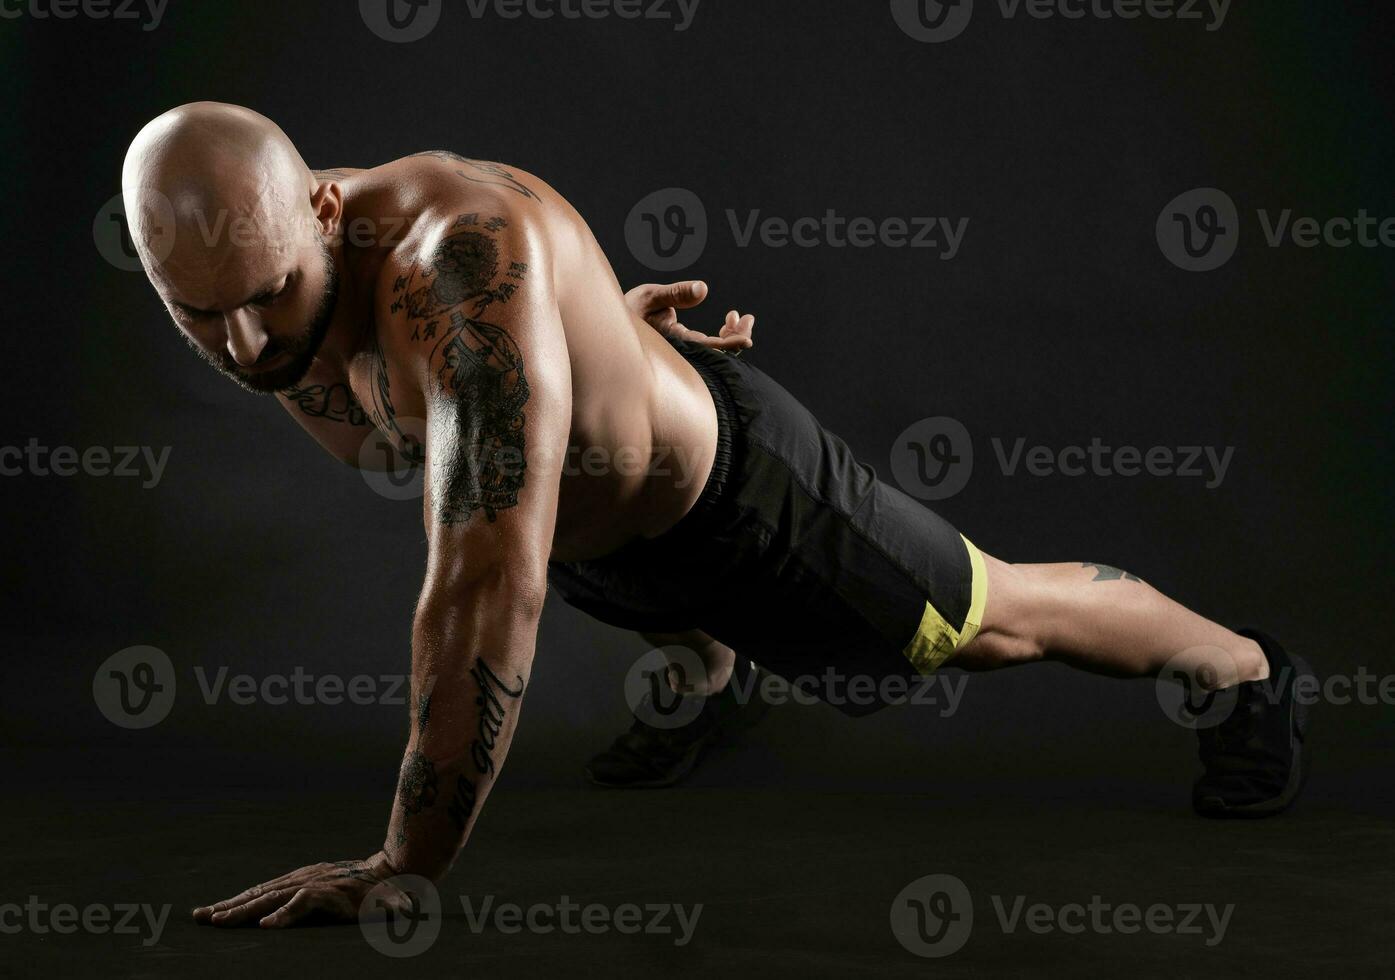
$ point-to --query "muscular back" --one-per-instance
(480, 281)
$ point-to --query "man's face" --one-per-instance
(256, 313)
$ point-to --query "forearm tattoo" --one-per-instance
(418, 789)
(493, 701)
(416, 785)
(477, 366)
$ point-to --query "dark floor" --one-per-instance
(790, 883)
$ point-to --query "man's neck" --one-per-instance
(351, 328)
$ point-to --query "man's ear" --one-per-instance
(327, 203)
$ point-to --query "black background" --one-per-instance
(1058, 321)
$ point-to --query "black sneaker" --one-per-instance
(649, 757)
(1255, 759)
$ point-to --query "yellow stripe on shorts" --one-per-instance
(936, 640)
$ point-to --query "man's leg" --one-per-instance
(1101, 619)
(1104, 620)
(717, 659)
(652, 753)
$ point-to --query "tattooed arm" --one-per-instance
(497, 389)
(474, 322)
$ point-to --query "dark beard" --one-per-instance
(302, 349)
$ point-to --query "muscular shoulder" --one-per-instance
(480, 262)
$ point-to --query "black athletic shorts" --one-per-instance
(795, 555)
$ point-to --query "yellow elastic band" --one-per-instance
(935, 640)
(978, 596)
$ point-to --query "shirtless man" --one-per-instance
(480, 304)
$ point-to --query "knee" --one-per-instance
(999, 647)
(1013, 629)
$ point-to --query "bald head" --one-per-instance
(227, 177)
(226, 217)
